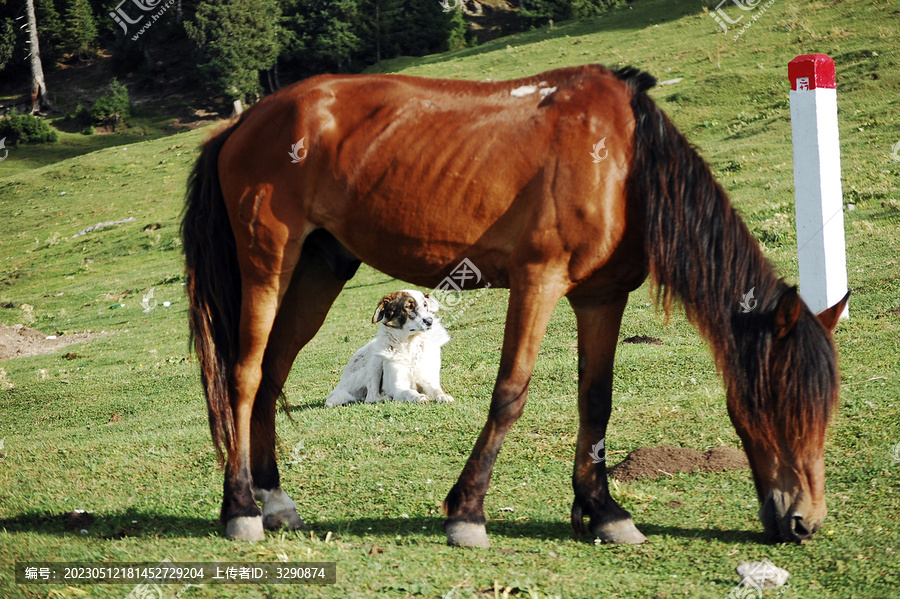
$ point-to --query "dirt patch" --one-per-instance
(19, 341)
(643, 339)
(891, 312)
(653, 462)
(490, 19)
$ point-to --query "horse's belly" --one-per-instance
(423, 250)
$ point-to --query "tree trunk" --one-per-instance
(272, 75)
(148, 58)
(39, 99)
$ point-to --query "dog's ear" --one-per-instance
(431, 304)
(379, 311)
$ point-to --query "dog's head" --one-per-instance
(407, 310)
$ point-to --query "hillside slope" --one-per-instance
(117, 426)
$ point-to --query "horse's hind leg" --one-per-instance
(304, 307)
(598, 333)
(259, 305)
(268, 254)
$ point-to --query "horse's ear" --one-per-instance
(829, 318)
(787, 312)
(379, 311)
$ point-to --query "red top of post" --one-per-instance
(811, 71)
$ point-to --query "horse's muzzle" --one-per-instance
(790, 527)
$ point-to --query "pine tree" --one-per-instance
(235, 40)
(322, 35)
(81, 28)
(7, 42)
(378, 29)
(348, 35)
(419, 29)
(50, 30)
(537, 13)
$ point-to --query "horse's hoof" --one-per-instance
(619, 531)
(466, 534)
(285, 518)
(245, 528)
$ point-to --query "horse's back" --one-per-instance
(441, 169)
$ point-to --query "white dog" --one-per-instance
(403, 361)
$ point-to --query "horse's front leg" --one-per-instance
(598, 333)
(531, 302)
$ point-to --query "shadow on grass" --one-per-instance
(115, 525)
(302, 407)
(370, 284)
(533, 529)
(133, 523)
(33, 156)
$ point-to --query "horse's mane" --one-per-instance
(701, 252)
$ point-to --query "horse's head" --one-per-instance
(780, 408)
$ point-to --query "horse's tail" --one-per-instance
(213, 287)
(691, 230)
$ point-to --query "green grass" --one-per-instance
(120, 430)
(144, 124)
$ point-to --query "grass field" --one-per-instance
(120, 429)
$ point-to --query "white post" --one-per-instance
(817, 182)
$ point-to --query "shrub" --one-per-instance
(82, 115)
(26, 128)
(112, 108)
(80, 118)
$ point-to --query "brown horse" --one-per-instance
(414, 175)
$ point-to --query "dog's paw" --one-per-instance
(443, 398)
(338, 399)
(375, 398)
(410, 395)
